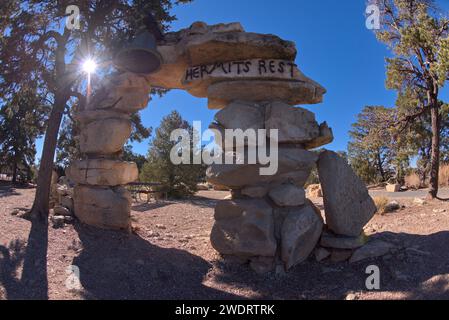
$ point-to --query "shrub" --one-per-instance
(381, 204)
(444, 176)
(412, 181)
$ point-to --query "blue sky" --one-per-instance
(334, 48)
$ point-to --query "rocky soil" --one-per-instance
(169, 256)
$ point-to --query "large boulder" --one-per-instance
(291, 92)
(255, 191)
(202, 45)
(288, 195)
(300, 233)
(241, 115)
(107, 208)
(215, 47)
(331, 240)
(294, 124)
(89, 116)
(373, 249)
(105, 136)
(294, 164)
(103, 172)
(244, 228)
(198, 78)
(128, 100)
(347, 204)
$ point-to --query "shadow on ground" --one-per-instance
(147, 206)
(419, 269)
(33, 283)
(114, 265)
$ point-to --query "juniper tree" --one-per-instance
(418, 36)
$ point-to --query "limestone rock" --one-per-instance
(62, 211)
(392, 206)
(244, 228)
(64, 190)
(241, 115)
(321, 254)
(262, 265)
(393, 187)
(348, 206)
(419, 201)
(293, 164)
(129, 80)
(326, 136)
(372, 249)
(103, 207)
(203, 44)
(67, 202)
(340, 255)
(314, 191)
(128, 100)
(215, 47)
(105, 136)
(255, 191)
(89, 116)
(57, 221)
(300, 233)
(288, 195)
(103, 172)
(294, 124)
(290, 92)
(198, 78)
(330, 240)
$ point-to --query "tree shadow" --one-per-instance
(143, 207)
(33, 283)
(203, 202)
(7, 191)
(115, 265)
(417, 269)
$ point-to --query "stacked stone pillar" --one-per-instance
(268, 222)
(100, 198)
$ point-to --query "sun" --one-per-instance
(89, 66)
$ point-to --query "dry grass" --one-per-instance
(444, 176)
(412, 181)
(381, 204)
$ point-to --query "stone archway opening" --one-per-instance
(253, 81)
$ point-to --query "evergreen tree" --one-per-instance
(418, 36)
(179, 180)
(22, 121)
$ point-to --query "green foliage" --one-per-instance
(418, 36)
(180, 180)
(22, 121)
(371, 149)
(129, 155)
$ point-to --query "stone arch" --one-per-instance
(254, 82)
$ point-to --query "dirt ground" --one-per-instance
(170, 257)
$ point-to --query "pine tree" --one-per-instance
(179, 180)
(418, 36)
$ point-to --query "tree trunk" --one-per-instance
(435, 153)
(14, 172)
(381, 170)
(40, 207)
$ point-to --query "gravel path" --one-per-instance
(170, 257)
(422, 193)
